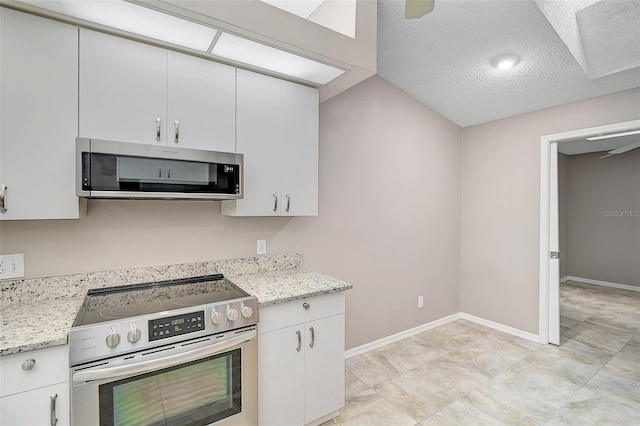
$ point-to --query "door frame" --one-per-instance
(549, 318)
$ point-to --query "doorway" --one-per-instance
(549, 289)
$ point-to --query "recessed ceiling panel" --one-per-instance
(610, 36)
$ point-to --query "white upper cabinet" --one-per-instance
(277, 131)
(123, 89)
(258, 125)
(133, 92)
(299, 178)
(39, 120)
(202, 99)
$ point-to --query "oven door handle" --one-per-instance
(146, 366)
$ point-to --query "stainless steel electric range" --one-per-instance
(179, 352)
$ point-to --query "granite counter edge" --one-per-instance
(5, 351)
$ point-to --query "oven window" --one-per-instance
(191, 394)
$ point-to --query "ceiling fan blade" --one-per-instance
(414, 9)
(623, 149)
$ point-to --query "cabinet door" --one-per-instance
(258, 138)
(123, 89)
(202, 98)
(34, 407)
(299, 180)
(324, 367)
(281, 377)
(39, 120)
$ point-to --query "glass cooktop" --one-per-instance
(112, 303)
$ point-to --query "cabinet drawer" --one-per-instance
(34, 407)
(273, 317)
(51, 367)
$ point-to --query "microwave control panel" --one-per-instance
(164, 328)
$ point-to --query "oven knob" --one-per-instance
(232, 314)
(134, 334)
(246, 311)
(113, 339)
(217, 318)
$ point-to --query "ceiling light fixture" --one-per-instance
(136, 19)
(151, 23)
(506, 62)
(613, 135)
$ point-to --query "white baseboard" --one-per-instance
(359, 350)
(501, 327)
(602, 283)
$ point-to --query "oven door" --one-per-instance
(211, 380)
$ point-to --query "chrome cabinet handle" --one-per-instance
(288, 203)
(54, 419)
(168, 172)
(299, 341)
(313, 337)
(3, 194)
(177, 126)
(158, 121)
(29, 364)
(159, 172)
(275, 204)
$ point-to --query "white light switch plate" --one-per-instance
(262, 247)
(11, 266)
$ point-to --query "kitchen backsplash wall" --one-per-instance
(76, 285)
(131, 234)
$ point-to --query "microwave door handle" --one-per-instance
(146, 366)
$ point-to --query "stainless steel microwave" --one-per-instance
(108, 169)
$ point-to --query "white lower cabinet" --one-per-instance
(301, 361)
(34, 388)
(37, 407)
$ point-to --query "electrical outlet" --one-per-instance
(11, 266)
(420, 302)
(262, 247)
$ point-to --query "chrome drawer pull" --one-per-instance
(288, 203)
(299, 341)
(275, 204)
(313, 337)
(158, 121)
(177, 126)
(3, 194)
(54, 419)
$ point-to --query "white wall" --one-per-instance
(389, 218)
(501, 191)
(603, 235)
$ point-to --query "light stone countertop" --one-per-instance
(27, 326)
(283, 286)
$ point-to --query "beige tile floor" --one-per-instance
(465, 374)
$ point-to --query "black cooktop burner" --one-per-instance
(110, 303)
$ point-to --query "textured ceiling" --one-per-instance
(583, 49)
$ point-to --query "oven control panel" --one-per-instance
(164, 328)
